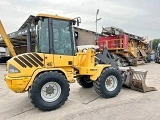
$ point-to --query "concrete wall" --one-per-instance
(85, 37)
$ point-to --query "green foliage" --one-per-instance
(155, 43)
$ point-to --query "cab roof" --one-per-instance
(55, 16)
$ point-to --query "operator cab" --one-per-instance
(55, 35)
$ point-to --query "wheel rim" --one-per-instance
(111, 83)
(50, 91)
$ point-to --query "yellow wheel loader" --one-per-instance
(46, 73)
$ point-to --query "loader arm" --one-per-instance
(7, 40)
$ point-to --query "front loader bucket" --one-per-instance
(135, 79)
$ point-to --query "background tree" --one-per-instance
(155, 43)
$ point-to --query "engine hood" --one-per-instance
(26, 63)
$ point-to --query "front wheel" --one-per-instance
(49, 91)
(109, 83)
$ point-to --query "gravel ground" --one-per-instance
(86, 104)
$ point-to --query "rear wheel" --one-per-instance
(85, 81)
(109, 83)
(49, 91)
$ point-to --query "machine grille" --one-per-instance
(30, 60)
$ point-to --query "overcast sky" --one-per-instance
(139, 17)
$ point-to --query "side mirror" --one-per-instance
(78, 19)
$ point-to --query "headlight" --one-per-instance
(12, 69)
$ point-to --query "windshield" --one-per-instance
(43, 36)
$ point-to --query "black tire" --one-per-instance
(29, 93)
(54, 78)
(85, 82)
(100, 83)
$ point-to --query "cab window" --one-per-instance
(62, 37)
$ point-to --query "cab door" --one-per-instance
(62, 43)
